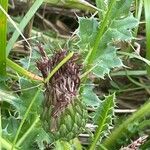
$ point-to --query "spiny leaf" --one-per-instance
(15, 102)
(10, 126)
(104, 115)
(87, 32)
(89, 97)
(121, 9)
(103, 119)
(42, 139)
(118, 30)
(106, 61)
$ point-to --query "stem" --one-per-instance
(58, 66)
(22, 71)
(3, 37)
(139, 6)
(25, 116)
(6, 144)
(28, 132)
(129, 72)
(90, 56)
(122, 129)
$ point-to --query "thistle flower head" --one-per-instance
(62, 88)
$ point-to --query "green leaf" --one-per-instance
(10, 126)
(3, 35)
(15, 102)
(29, 89)
(41, 138)
(106, 62)
(89, 97)
(105, 111)
(103, 118)
(105, 57)
(63, 145)
(102, 5)
(121, 9)
(87, 31)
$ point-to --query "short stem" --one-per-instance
(58, 66)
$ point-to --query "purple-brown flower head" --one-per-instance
(64, 115)
(63, 86)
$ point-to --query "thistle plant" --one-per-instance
(64, 115)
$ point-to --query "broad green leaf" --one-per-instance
(89, 97)
(102, 5)
(120, 9)
(119, 30)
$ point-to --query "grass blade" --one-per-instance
(3, 36)
(147, 19)
(24, 118)
(23, 23)
(79, 4)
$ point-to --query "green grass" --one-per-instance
(147, 19)
(3, 36)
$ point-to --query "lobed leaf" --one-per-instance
(105, 57)
(89, 97)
